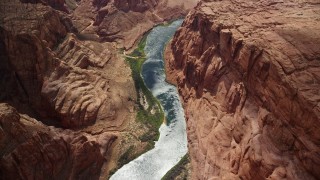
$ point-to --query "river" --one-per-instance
(172, 143)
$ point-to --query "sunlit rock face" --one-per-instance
(248, 74)
(31, 150)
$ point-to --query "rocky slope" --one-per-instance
(51, 75)
(248, 75)
(59, 68)
(63, 82)
(31, 150)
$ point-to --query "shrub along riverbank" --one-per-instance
(149, 110)
(180, 170)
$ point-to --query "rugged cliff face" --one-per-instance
(31, 150)
(51, 75)
(248, 75)
(26, 51)
(62, 82)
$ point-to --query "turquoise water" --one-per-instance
(172, 143)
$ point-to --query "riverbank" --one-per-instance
(172, 143)
(182, 170)
(179, 171)
(149, 111)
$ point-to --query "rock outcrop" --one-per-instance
(31, 150)
(28, 33)
(248, 75)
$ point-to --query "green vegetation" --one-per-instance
(150, 115)
(179, 169)
(153, 116)
(125, 157)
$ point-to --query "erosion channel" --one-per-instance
(172, 143)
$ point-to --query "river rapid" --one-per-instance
(172, 143)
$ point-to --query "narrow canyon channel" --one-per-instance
(172, 143)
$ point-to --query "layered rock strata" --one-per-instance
(248, 75)
(31, 150)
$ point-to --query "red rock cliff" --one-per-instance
(248, 75)
(31, 150)
(47, 73)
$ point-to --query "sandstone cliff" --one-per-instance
(248, 75)
(47, 73)
(66, 82)
(31, 150)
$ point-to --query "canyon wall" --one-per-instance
(56, 76)
(31, 150)
(248, 73)
(49, 74)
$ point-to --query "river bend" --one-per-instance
(172, 143)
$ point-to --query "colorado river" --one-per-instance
(172, 143)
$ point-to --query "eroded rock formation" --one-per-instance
(27, 39)
(248, 75)
(50, 74)
(56, 79)
(31, 150)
